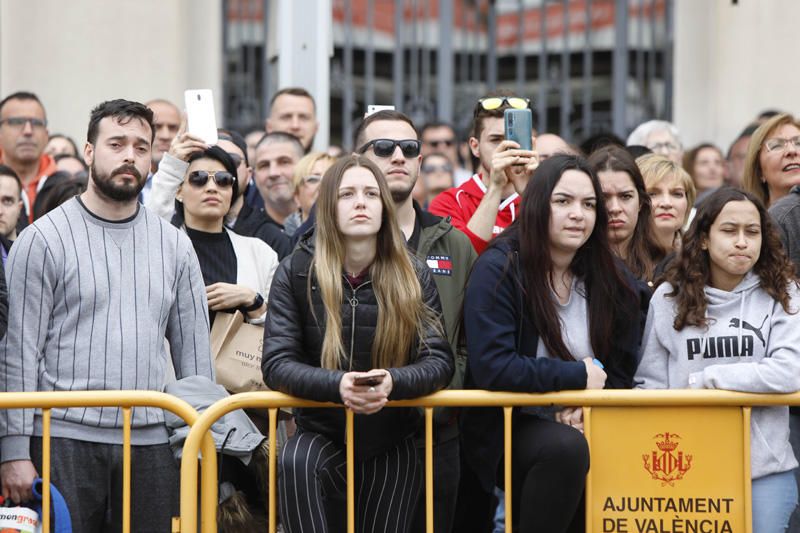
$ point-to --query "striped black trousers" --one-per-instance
(313, 487)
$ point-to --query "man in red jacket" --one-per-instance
(487, 203)
(23, 136)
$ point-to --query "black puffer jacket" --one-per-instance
(293, 346)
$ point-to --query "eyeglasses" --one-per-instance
(19, 122)
(495, 102)
(427, 168)
(445, 142)
(665, 146)
(776, 144)
(222, 178)
(386, 147)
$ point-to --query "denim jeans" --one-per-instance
(774, 499)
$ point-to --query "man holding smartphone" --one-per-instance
(390, 140)
(488, 202)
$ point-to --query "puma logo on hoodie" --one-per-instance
(734, 323)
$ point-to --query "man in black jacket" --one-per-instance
(390, 139)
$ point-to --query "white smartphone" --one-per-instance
(375, 108)
(200, 117)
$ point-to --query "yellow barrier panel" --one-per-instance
(123, 399)
(667, 469)
(450, 398)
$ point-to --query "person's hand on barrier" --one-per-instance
(571, 416)
(185, 144)
(228, 296)
(365, 393)
(595, 376)
(17, 479)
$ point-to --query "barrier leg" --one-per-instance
(429, 469)
(507, 443)
(126, 470)
(46, 470)
(351, 514)
(273, 475)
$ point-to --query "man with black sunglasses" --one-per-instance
(389, 139)
(488, 202)
(23, 136)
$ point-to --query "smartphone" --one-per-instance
(519, 127)
(375, 108)
(200, 117)
(370, 380)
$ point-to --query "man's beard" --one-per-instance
(401, 195)
(118, 192)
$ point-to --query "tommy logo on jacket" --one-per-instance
(440, 264)
(726, 345)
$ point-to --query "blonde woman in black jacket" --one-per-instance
(353, 319)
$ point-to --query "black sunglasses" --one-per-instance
(222, 178)
(385, 147)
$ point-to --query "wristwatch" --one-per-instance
(257, 303)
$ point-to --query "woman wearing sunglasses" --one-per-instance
(354, 319)
(237, 270)
(546, 309)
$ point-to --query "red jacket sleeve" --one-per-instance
(446, 205)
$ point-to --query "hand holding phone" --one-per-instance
(369, 380)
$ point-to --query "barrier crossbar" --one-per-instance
(273, 401)
(126, 400)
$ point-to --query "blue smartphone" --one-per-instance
(519, 127)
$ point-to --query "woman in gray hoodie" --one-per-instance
(726, 318)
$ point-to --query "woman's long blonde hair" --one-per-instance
(402, 313)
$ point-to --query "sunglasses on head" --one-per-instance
(222, 178)
(496, 102)
(386, 147)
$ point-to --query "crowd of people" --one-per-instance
(388, 272)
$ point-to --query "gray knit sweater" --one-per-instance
(91, 302)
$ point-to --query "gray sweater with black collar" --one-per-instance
(91, 304)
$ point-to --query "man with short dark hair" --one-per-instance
(292, 110)
(488, 202)
(440, 137)
(23, 137)
(99, 284)
(389, 139)
(10, 208)
(276, 155)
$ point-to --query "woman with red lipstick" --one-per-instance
(772, 164)
(237, 270)
(630, 230)
(672, 195)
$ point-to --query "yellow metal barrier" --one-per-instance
(123, 399)
(451, 398)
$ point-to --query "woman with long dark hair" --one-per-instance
(547, 309)
(630, 231)
(727, 319)
(354, 318)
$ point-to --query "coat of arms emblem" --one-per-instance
(666, 464)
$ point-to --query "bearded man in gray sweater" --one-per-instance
(99, 283)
